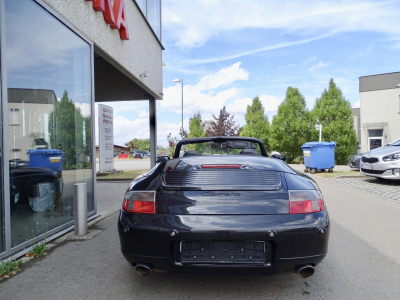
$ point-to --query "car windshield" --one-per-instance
(220, 148)
(395, 143)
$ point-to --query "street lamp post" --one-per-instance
(181, 81)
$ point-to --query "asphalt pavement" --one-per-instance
(363, 262)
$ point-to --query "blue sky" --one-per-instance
(229, 51)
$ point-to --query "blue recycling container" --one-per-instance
(319, 155)
(46, 158)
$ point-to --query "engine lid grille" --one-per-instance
(223, 179)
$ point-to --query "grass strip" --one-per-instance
(338, 173)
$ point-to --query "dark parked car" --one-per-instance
(354, 161)
(28, 184)
(145, 153)
(231, 211)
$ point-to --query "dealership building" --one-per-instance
(378, 121)
(57, 59)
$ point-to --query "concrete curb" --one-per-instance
(115, 179)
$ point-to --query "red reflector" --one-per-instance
(220, 166)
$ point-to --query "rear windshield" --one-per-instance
(220, 148)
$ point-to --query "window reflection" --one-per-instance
(151, 9)
(1, 183)
(142, 5)
(49, 99)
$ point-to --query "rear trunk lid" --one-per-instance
(223, 186)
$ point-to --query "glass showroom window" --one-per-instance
(49, 106)
(151, 9)
(143, 6)
(2, 227)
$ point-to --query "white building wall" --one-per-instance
(380, 110)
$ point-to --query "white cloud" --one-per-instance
(310, 59)
(321, 64)
(185, 19)
(199, 97)
(291, 66)
(365, 52)
(357, 104)
(239, 107)
(198, 61)
(270, 103)
(85, 108)
(223, 77)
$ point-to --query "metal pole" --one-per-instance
(320, 131)
(80, 216)
(182, 107)
(153, 130)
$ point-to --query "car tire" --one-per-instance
(313, 171)
(306, 170)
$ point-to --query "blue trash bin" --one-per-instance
(319, 156)
(46, 158)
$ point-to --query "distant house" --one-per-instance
(379, 110)
(117, 150)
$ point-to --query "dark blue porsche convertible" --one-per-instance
(222, 206)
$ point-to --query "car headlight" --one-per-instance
(391, 157)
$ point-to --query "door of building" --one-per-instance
(375, 138)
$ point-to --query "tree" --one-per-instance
(334, 113)
(138, 144)
(67, 126)
(224, 125)
(290, 128)
(172, 141)
(257, 124)
(196, 129)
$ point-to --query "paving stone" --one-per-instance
(110, 196)
(385, 188)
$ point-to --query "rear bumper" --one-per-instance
(155, 240)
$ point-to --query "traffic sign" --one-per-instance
(318, 127)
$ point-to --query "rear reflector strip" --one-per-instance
(306, 201)
(220, 166)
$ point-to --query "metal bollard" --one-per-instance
(80, 216)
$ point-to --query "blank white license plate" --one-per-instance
(366, 166)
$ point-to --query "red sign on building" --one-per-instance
(115, 15)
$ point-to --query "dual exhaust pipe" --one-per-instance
(302, 271)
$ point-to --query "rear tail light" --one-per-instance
(140, 202)
(306, 201)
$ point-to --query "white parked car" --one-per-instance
(382, 162)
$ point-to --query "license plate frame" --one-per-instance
(223, 252)
(366, 166)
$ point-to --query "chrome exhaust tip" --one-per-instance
(143, 269)
(305, 271)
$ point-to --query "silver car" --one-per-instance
(382, 162)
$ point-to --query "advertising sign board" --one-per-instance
(106, 138)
